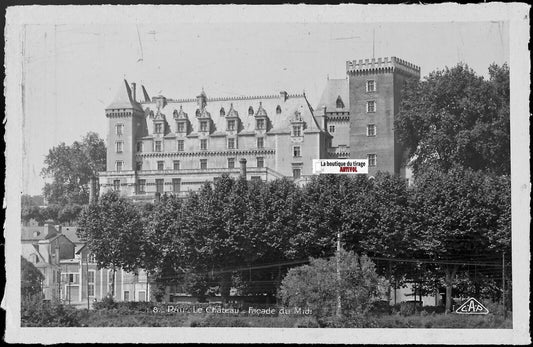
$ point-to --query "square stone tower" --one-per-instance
(375, 87)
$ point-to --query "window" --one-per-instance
(222, 112)
(92, 259)
(296, 173)
(158, 128)
(141, 186)
(260, 124)
(158, 146)
(339, 103)
(119, 146)
(176, 165)
(231, 163)
(116, 185)
(160, 165)
(159, 185)
(255, 178)
(180, 145)
(119, 129)
(181, 127)
(371, 86)
(73, 278)
(203, 164)
(203, 144)
(278, 109)
(119, 164)
(260, 142)
(126, 295)
(203, 126)
(260, 162)
(250, 111)
(296, 130)
(176, 183)
(332, 128)
(231, 143)
(371, 106)
(371, 130)
(296, 152)
(139, 165)
(231, 124)
(139, 146)
(371, 160)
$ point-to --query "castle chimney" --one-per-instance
(243, 167)
(284, 96)
(134, 91)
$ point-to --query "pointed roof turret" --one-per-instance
(124, 99)
(145, 94)
(261, 111)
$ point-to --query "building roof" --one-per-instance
(124, 98)
(335, 88)
(289, 105)
(70, 233)
(34, 233)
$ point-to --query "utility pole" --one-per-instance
(339, 305)
(503, 286)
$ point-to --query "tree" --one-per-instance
(454, 117)
(113, 231)
(71, 168)
(460, 216)
(316, 286)
(31, 279)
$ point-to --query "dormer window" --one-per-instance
(197, 112)
(203, 126)
(250, 111)
(158, 128)
(260, 124)
(231, 124)
(222, 112)
(278, 109)
(340, 104)
(181, 127)
(296, 130)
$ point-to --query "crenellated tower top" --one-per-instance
(382, 65)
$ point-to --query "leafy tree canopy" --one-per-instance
(71, 168)
(454, 116)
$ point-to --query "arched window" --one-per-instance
(250, 111)
(340, 104)
(278, 109)
(197, 112)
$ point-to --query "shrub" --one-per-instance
(316, 286)
(107, 303)
(39, 313)
(407, 308)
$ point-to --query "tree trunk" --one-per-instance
(225, 286)
(450, 277)
(113, 282)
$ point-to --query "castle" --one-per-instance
(160, 145)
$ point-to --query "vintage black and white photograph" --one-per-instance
(315, 171)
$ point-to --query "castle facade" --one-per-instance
(163, 145)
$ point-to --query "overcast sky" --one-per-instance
(73, 71)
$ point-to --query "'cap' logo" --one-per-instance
(472, 306)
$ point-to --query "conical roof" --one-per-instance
(123, 98)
